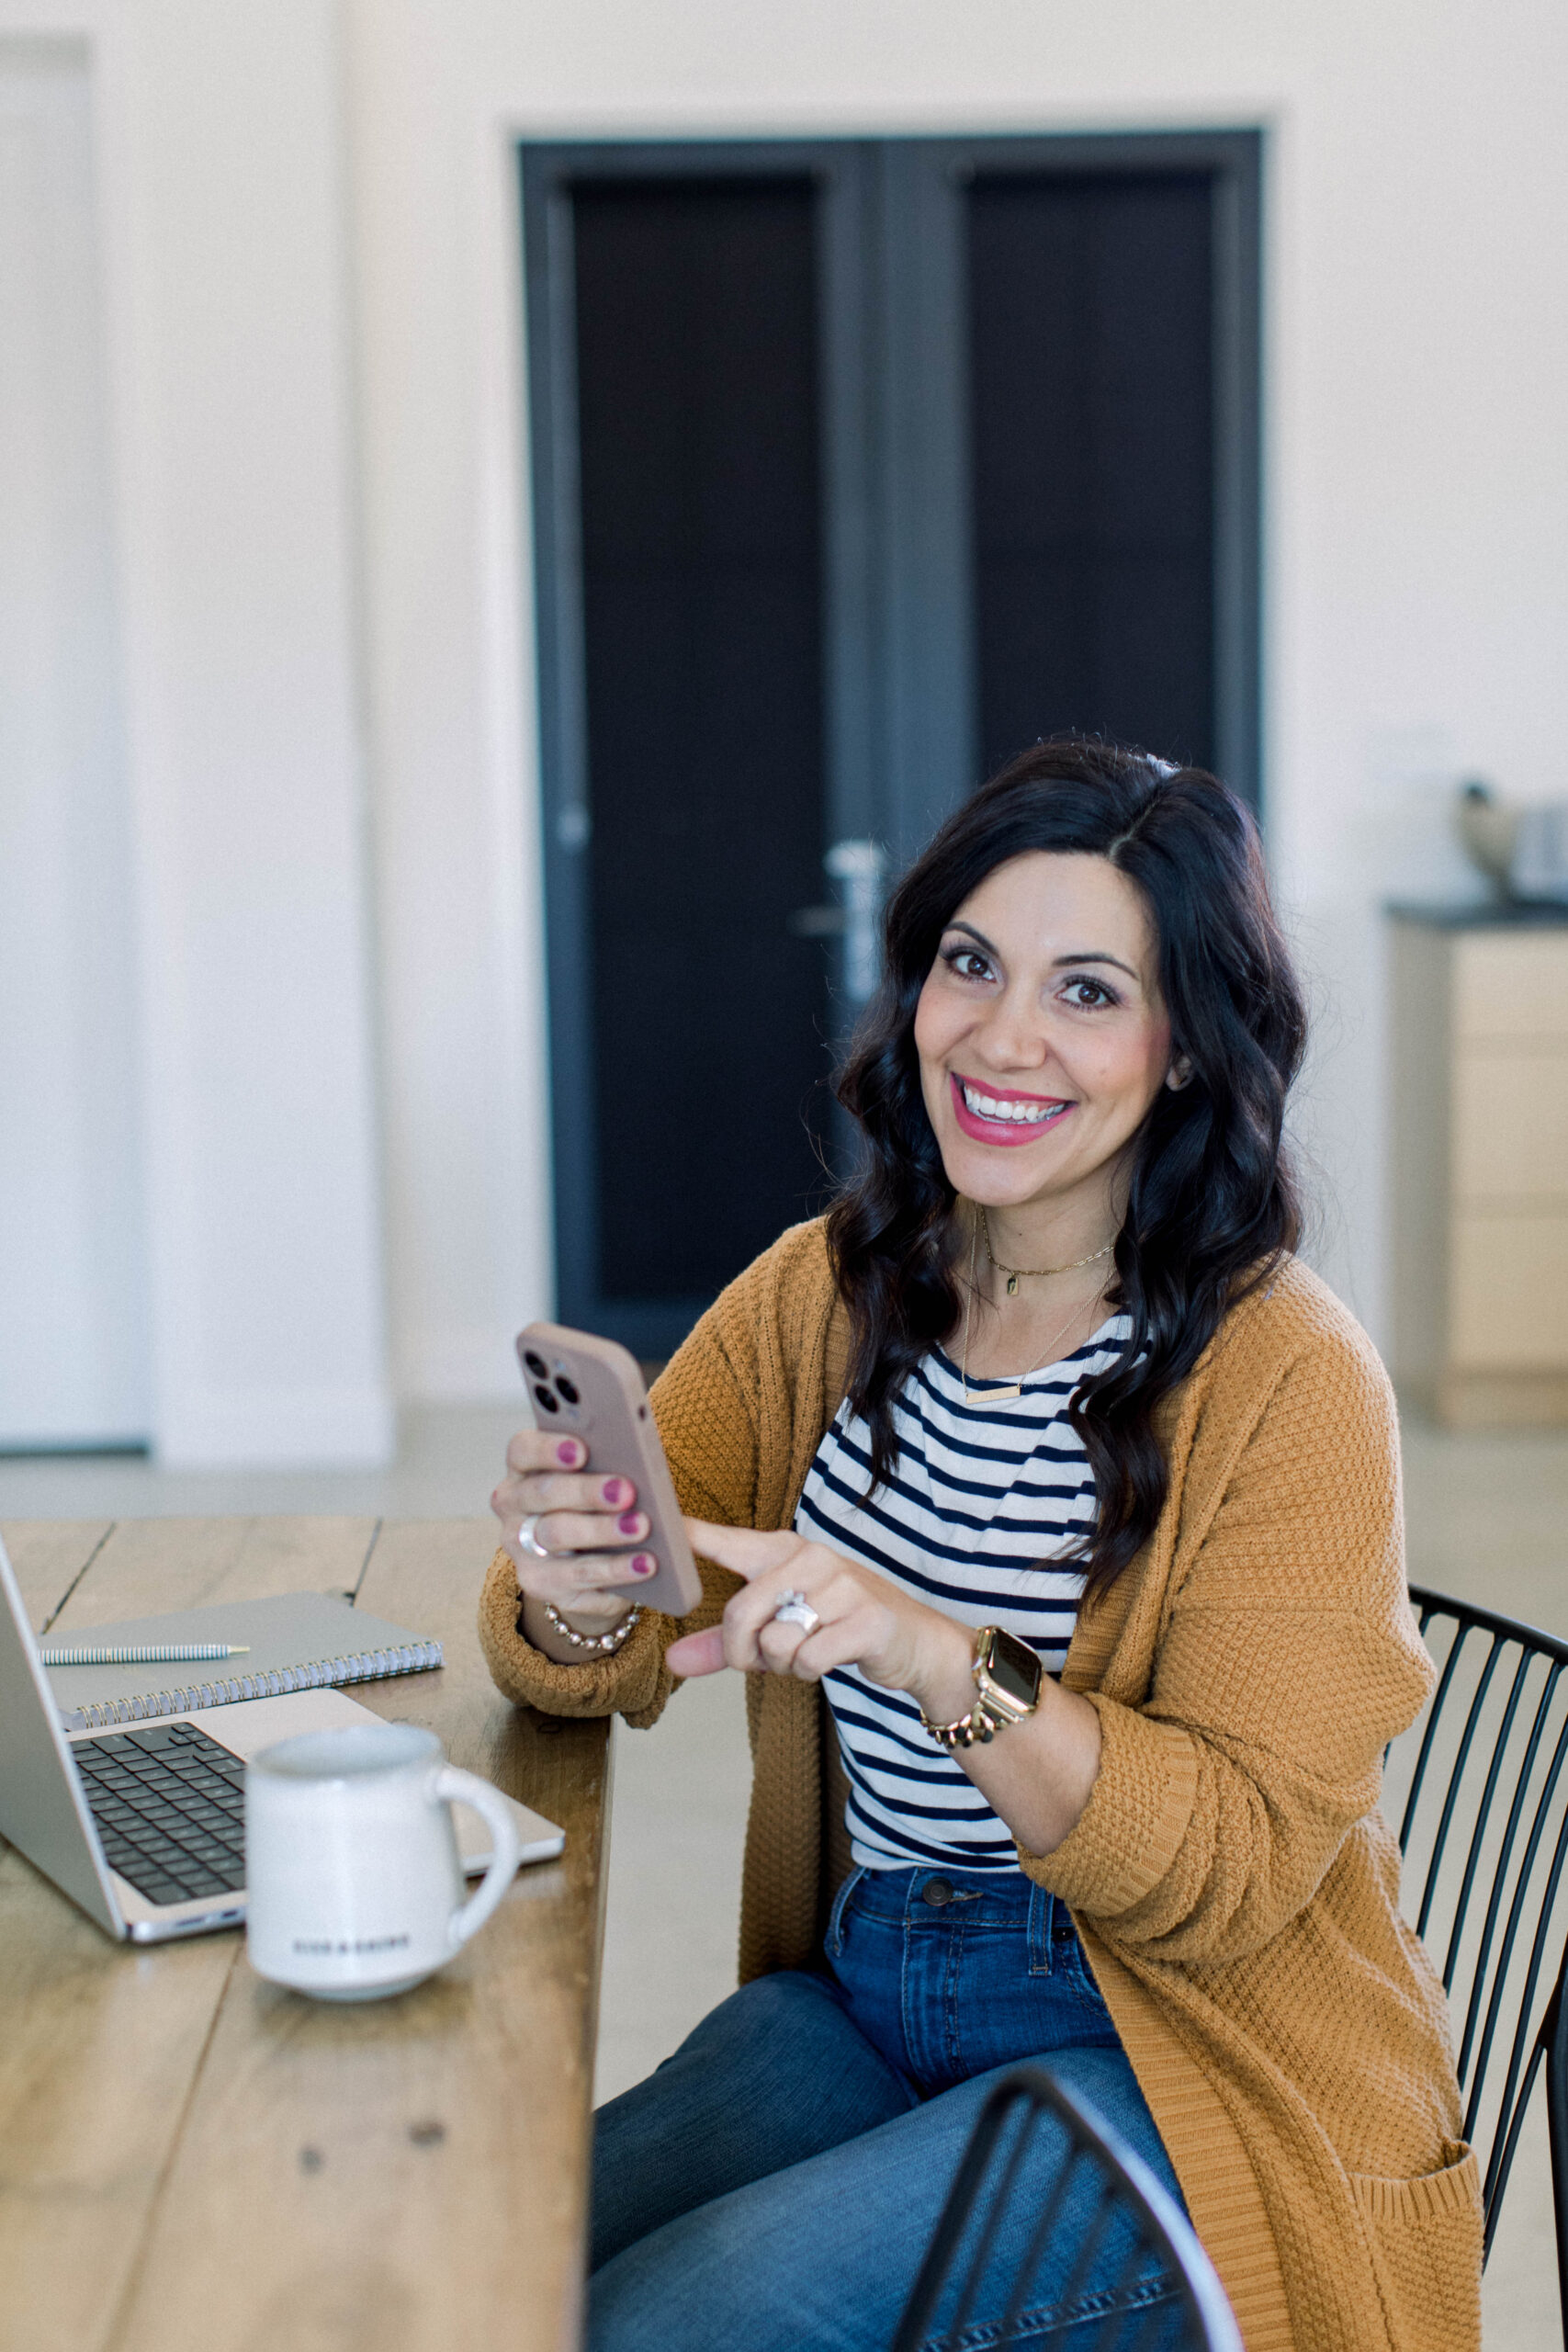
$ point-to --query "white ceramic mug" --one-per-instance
(355, 1888)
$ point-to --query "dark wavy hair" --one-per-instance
(1211, 1205)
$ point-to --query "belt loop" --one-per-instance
(1041, 1907)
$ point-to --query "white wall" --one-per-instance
(73, 1365)
(243, 694)
(312, 257)
(222, 217)
(1418, 491)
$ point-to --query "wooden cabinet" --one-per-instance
(1478, 1208)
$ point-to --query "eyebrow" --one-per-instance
(1083, 955)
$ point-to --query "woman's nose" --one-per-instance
(1014, 1037)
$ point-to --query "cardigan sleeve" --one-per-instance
(1290, 1658)
(704, 1402)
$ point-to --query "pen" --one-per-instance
(138, 1653)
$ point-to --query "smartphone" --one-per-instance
(593, 1388)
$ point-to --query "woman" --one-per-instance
(1046, 1384)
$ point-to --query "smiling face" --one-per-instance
(1044, 1038)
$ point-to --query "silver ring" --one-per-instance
(796, 1610)
(528, 1539)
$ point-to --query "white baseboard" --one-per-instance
(276, 1429)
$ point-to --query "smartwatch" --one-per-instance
(1008, 1677)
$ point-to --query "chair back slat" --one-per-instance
(1478, 1788)
(1528, 2030)
(1040, 2237)
(984, 2252)
(1525, 1769)
(1456, 1779)
(1088, 2247)
(1502, 2163)
(1483, 1821)
(962, 2200)
(1434, 1715)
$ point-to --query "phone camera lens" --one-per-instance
(536, 1365)
(545, 1398)
(568, 1388)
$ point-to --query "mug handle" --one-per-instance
(466, 1787)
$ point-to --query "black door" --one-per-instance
(701, 600)
(1090, 324)
(856, 468)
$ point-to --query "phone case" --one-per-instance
(593, 1388)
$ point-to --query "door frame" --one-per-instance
(900, 673)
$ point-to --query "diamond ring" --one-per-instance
(796, 1610)
(528, 1537)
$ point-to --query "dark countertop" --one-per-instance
(1498, 914)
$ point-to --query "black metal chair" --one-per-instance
(1131, 2215)
(1478, 1790)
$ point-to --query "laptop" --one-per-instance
(144, 1826)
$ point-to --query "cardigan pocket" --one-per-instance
(1425, 2237)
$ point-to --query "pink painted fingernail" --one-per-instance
(567, 1450)
(617, 1490)
(628, 1522)
(643, 1564)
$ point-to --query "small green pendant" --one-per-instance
(1012, 1286)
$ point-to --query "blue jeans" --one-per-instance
(774, 2185)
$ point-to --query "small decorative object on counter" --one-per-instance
(1540, 871)
(1523, 852)
(1486, 826)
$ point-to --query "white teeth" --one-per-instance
(988, 1106)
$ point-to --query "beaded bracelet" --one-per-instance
(606, 1644)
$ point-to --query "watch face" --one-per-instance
(1014, 1668)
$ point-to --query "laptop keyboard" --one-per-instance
(170, 1807)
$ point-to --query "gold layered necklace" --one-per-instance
(1017, 1274)
(1005, 1393)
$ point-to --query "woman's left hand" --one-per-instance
(865, 1621)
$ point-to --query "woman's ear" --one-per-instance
(1179, 1073)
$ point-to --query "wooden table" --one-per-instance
(191, 2158)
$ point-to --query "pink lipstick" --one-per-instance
(1004, 1131)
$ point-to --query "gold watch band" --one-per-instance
(994, 1707)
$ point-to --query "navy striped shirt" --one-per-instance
(985, 1496)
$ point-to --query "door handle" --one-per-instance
(857, 866)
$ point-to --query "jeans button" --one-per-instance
(936, 1891)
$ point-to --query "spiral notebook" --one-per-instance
(298, 1641)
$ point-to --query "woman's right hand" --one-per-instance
(587, 1525)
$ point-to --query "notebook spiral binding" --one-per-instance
(324, 1673)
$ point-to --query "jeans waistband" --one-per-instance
(931, 1901)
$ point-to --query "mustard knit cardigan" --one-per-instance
(1232, 1883)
